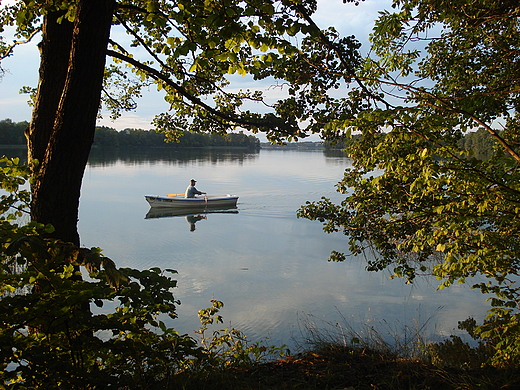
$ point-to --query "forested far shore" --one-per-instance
(12, 133)
(480, 143)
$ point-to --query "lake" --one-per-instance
(268, 267)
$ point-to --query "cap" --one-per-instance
(193, 180)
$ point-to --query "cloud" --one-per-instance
(348, 18)
(129, 120)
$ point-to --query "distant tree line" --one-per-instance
(12, 133)
(479, 143)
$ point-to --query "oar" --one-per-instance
(175, 195)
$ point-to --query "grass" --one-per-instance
(338, 367)
(340, 357)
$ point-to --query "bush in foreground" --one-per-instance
(71, 319)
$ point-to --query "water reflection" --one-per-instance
(105, 157)
(193, 219)
(156, 212)
(190, 215)
(333, 153)
(12, 151)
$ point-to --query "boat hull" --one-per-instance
(199, 203)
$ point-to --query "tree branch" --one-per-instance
(10, 48)
(276, 124)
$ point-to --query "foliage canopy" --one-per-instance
(438, 70)
(188, 50)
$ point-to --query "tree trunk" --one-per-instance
(62, 129)
(54, 54)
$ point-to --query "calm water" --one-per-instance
(268, 267)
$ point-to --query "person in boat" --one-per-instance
(191, 191)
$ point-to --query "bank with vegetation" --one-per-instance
(12, 133)
(479, 143)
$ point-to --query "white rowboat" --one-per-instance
(200, 203)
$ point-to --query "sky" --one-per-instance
(22, 68)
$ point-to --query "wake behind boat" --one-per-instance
(200, 202)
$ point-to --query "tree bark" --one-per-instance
(54, 60)
(64, 119)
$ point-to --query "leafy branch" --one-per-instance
(271, 124)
